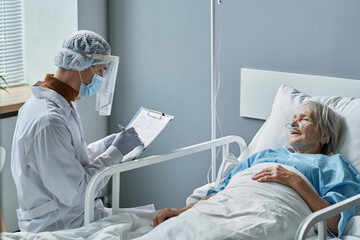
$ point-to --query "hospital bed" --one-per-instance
(287, 99)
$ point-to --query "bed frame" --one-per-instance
(318, 217)
(115, 170)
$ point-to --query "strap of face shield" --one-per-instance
(102, 57)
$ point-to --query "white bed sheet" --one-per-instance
(246, 209)
(122, 226)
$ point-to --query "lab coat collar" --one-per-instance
(53, 96)
(53, 83)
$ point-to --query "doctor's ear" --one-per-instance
(323, 140)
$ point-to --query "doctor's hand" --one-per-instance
(280, 175)
(127, 140)
(165, 214)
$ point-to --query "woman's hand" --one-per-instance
(280, 175)
(165, 214)
(288, 178)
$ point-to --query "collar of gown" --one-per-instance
(60, 87)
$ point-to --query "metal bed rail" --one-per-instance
(321, 216)
(117, 169)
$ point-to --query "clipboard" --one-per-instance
(149, 124)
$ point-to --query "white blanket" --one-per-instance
(246, 209)
(123, 226)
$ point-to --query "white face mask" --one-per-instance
(93, 87)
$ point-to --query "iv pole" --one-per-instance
(213, 90)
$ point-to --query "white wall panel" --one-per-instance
(259, 87)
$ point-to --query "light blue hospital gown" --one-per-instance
(333, 178)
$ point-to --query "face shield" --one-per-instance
(104, 97)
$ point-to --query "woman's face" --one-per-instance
(305, 139)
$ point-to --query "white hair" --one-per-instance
(331, 125)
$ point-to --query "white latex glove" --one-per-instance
(133, 154)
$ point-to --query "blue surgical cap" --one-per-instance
(72, 54)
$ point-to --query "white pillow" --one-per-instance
(273, 134)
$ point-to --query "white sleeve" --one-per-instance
(58, 167)
(98, 147)
(95, 149)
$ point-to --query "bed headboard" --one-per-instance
(259, 87)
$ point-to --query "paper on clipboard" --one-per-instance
(149, 124)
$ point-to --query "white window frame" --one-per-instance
(11, 42)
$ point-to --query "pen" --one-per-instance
(121, 127)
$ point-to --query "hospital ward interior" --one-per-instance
(179, 119)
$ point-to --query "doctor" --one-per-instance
(51, 163)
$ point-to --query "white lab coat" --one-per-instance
(51, 164)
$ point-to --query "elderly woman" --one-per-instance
(320, 178)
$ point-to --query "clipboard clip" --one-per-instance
(155, 114)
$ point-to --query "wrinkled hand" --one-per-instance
(278, 174)
(127, 140)
(165, 214)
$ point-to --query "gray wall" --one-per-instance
(164, 65)
(92, 16)
(164, 46)
(309, 37)
(7, 186)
